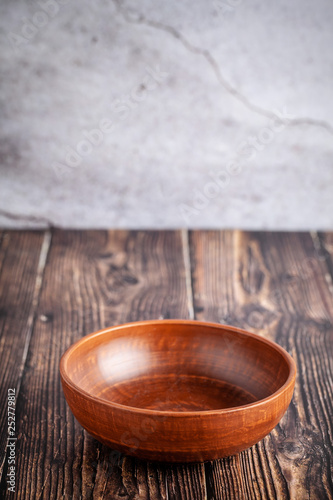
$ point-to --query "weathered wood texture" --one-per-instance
(274, 284)
(19, 257)
(278, 285)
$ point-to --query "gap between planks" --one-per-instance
(188, 273)
(190, 306)
(44, 251)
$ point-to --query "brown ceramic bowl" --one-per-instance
(177, 391)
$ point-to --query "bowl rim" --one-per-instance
(168, 413)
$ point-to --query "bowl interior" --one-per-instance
(177, 366)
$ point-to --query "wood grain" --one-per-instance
(324, 252)
(92, 280)
(274, 284)
(19, 257)
(278, 285)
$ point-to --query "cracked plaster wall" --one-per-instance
(165, 115)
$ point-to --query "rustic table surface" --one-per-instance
(57, 286)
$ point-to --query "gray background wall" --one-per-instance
(167, 114)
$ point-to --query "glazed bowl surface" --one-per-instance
(177, 390)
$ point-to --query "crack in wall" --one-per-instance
(140, 19)
(42, 222)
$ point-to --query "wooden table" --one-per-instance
(57, 286)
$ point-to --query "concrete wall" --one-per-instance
(171, 114)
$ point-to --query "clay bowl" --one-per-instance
(177, 391)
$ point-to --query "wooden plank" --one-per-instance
(324, 244)
(94, 279)
(324, 250)
(297, 285)
(19, 258)
(303, 445)
(270, 280)
(273, 284)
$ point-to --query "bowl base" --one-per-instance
(178, 393)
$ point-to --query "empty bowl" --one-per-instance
(177, 390)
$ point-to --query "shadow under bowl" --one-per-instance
(177, 390)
